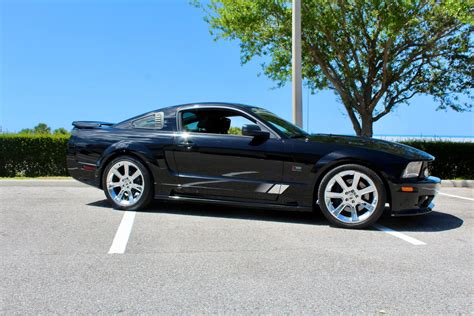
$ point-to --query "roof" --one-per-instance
(173, 108)
(236, 105)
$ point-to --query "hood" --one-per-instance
(393, 148)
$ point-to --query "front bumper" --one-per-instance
(418, 202)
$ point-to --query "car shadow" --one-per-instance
(433, 222)
(225, 211)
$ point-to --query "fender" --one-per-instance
(383, 164)
(336, 157)
(124, 147)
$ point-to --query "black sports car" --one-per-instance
(246, 155)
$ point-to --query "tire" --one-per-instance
(349, 206)
(132, 191)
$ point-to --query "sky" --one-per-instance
(108, 60)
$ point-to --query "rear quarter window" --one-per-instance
(152, 121)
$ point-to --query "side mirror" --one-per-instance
(254, 131)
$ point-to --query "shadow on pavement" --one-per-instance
(433, 222)
(224, 211)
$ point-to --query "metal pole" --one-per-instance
(296, 64)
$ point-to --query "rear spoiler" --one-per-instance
(90, 124)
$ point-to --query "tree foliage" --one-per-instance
(61, 131)
(44, 129)
(374, 54)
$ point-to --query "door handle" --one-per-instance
(186, 144)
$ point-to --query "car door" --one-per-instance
(214, 164)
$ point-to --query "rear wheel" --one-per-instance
(127, 184)
(351, 196)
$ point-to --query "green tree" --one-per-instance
(42, 128)
(233, 130)
(26, 131)
(374, 54)
(61, 131)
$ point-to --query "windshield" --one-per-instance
(283, 126)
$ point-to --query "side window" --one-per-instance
(214, 121)
(236, 124)
(189, 121)
(153, 121)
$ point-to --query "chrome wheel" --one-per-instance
(351, 196)
(125, 183)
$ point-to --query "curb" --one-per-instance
(457, 183)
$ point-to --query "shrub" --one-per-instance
(453, 159)
(33, 155)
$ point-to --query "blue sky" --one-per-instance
(112, 59)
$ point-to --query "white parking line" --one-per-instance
(456, 196)
(123, 233)
(407, 238)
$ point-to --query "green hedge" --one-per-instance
(37, 155)
(453, 159)
(32, 155)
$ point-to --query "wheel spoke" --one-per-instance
(355, 181)
(334, 195)
(366, 190)
(120, 195)
(338, 209)
(126, 169)
(135, 175)
(117, 173)
(137, 187)
(369, 207)
(112, 185)
(341, 182)
(354, 215)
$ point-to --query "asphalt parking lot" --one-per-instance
(64, 250)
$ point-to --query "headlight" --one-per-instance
(412, 170)
(426, 172)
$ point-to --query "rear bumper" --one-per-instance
(84, 172)
(418, 202)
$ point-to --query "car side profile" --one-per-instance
(245, 155)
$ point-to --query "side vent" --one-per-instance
(159, 120)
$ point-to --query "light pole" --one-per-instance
(296, 64)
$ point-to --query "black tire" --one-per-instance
(379, 201)
(147, 193)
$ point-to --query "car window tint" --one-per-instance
(189, 122)
(214, 121)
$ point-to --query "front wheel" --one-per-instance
(127, 184)
(352, 196)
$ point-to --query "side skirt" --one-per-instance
(234, 203)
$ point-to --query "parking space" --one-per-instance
(64, 250)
